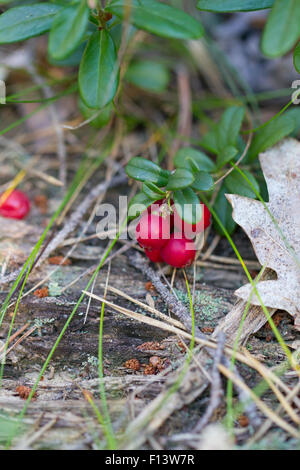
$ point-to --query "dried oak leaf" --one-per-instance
(276, 246)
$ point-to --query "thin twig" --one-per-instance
(216, 386)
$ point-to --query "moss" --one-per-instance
(206, 307)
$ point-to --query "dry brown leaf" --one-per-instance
(276, 246)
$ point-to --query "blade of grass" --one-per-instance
(229, 394)
(111, 440)
(70, 90)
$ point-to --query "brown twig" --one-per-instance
(216, 386)
(174, 304)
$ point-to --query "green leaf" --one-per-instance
(68, 29)
(282, 29)
(183, 158)
(294, 114)
(227, 6)
(20, 23)
(223, 210)
(269, 135)
(181, 178)
(99, 71)
(153, 191)
(225, 155)
(148, 75)
(138, 204)
(297, 57)
(157, 18)
(188, 205)
(223, 137)
(209, 140)
(143, 170)
(102, 116)
(229, 126)
(72, 60)
(203, 181)
(236, 184)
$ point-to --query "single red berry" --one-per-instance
(190, 230)
(178, 251)
(154, 255)
(15, 206)
(153, 231)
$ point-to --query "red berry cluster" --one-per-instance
(166, 237)
(15, 206)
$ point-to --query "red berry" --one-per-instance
(190, 230)
(179, 251)
(154, 255)
(15, 206)
(153, 231)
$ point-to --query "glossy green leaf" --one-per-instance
(203, 181)
(183, 156)
(236, 184)
(72, 60)
(144, 170)
(158, 18)
(99, 71)
(224, 211)
(17, 24)
(227, 6)
(282, 29)
(294, 114)
(138, 204)
(223, 138)
(271, 134)
(209, 141)
(153, 191)
(225, 155)
(68, 29)
(188, 205)
(229, 126)
(297, 57)
(148, 75)
(181, 178)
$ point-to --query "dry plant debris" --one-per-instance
(24, 392)
(41, 293)
(275, 233)
(59, 260)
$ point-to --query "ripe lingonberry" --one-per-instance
(15, 206)
(153, 231)
(190, 230)
(154, 255)
(178, 251)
